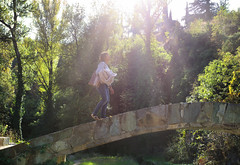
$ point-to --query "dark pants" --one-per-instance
(104, 92)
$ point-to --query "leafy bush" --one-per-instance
(220, 81)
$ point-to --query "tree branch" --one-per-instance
(4, 23)
(44, 82)
(142, 37)
(15, 14)
(44, 60)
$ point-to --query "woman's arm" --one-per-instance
(105, 77)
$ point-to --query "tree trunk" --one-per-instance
(49, 115)
(20, 89)
(208, 11)
(148, 31)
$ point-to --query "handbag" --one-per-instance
(94, 81)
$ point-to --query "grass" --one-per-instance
(108, 160)
(158, 160)
(115, 160)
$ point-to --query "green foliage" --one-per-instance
(155, 160)
(3, 129)
(191, 51)
(198, 27)
(221, 149)
(138, 78)
(54, 162)
(139, 81)
(9, 12)
(204, 146)
(224, 4)
(224, 24)
(219, 81)
(184, 147)
(6, 84)
(12, 29)
(232, 43)
(50, 33)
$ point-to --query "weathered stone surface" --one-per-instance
(160, 111)
(41, 157)
(4, 141)
(205, 113)
(101, 129)
(218, 112)
(195, 125)
(191, 112)
(43, 140)
(66, 133)
(221, 112)
(173, 126)
(59, 146)
(232, 114)
(82, 134)
(174, 115)
(152, 117)
(212, 116)
(182, 109)
(128, 121)
(115, 126)
(21, 161)
(9, 152)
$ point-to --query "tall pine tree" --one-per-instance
(204, 9)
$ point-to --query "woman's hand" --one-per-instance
(111, 90)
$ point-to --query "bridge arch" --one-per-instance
(209, 116)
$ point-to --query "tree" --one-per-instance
(6, 84)
(224, 4)
(201, 146)
(204, 9)
(50, 31)
(147, 15)
(232, 43)
(224, 24)
(187, 16)
(74, 16)
(11, 11)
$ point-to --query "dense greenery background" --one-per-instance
(44, 88)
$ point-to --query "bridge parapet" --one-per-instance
(210, 116)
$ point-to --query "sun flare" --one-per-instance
(125, 6)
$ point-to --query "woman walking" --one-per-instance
(104, 79)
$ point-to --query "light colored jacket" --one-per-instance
(104, 74)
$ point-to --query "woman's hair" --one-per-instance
(103, 56)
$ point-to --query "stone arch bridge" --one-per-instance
(209, 116)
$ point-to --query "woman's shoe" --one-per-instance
(95, 117)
